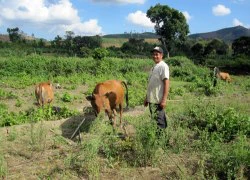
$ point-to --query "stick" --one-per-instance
(73, 135)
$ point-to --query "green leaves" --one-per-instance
(170, 23)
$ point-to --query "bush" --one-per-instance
(224, 123)
(100, 53)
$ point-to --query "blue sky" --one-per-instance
(48, 18)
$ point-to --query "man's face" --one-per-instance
(157, 56)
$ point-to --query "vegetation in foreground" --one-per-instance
(207, 135)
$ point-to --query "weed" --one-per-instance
(12, 134)
(66, 97)
(3, 167)
(227, 161)
(38, 136)
(18, 103)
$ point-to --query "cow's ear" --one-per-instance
(90, 98)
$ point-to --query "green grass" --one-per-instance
(207, 135)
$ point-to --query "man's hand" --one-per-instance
(163, 104)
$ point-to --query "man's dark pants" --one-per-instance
(158, 114)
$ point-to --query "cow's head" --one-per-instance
(99, 102)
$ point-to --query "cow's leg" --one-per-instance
(121, 109)
(112, 120)
(114, 117)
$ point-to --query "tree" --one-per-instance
(197, 52)
(136, 46)
(68, 43)
(41, 43)
(58, 41)
(14, 34)
(241, 46)
(100, 53)
(170, 24)
(216, 46)
(90, 42)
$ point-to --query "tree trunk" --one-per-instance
(167, 55)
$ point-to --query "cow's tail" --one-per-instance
(43, 98)
(37, 91)
(125, 84)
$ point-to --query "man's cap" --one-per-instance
(158, 49)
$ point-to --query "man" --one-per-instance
(158, 88)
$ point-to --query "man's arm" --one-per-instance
(165, 93)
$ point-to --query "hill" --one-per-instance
(4, 38)
(226, 34)
(145, 35)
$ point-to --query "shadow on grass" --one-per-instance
(70, 125)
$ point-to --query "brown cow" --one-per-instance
(107, 96)
(44, 93)
(222, 75)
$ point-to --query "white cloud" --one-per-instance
(238, 1)
(54, 16)
(121, 1)
(237, 22)
(140, 18)
(187, 16)
(86, 28)
(220, 10)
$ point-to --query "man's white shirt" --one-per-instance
(155, 83)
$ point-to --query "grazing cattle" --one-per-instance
(222, 75)
(107, 96)
(44, 93)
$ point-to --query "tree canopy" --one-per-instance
(170, 24)
(241, 46)
(14, 34)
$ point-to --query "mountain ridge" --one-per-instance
(226, 34)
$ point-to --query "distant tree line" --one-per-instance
(171, 28)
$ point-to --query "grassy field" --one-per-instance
(207, 135)
(117, 42)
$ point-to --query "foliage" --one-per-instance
(136, 46)
(204, 139)
(7, 95)
(197, 51)
(32, 115)
(216, 46)
(171, 24)
(67, 97)
(241, 46)
(85, 52)
(230, 161)
(85, 41)
(225, 124)
(100, 53)
(14, 34)
(3, 167)
(146, 142)
(184, 69)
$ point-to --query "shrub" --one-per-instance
(66, 97)
(225, 123)
(100, 53)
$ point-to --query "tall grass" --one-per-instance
(3, 167)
